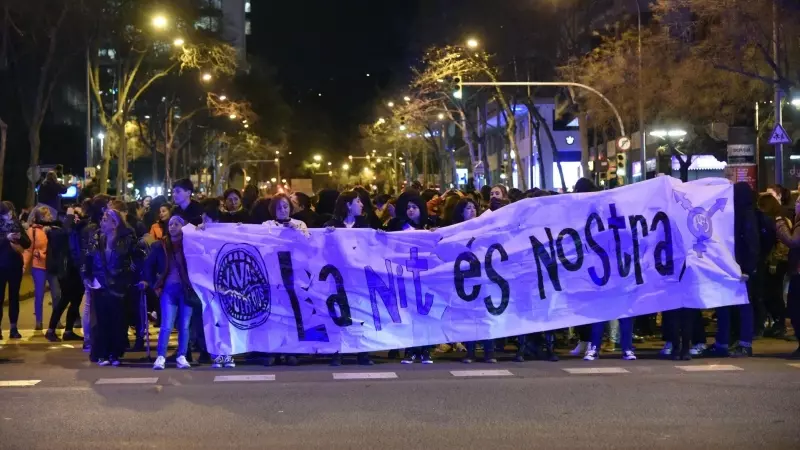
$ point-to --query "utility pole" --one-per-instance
(88, 112)
(642, 134)
(778, 95)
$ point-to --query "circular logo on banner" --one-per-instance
(242, 285)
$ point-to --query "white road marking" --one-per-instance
(148, 380)
(364, 376)
(595, 370)
(224, 378)
(709, 368)
(795, 365)
(19, 383)
(481, 373)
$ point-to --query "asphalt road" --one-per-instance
(645, 404)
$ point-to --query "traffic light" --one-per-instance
(458, 93)
(622, 161)
(129, 177)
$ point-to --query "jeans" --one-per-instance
(173, 306)
(11, 277)
(625, 333)
(86, 317)
(69, 299)
(40, 277)
(745, 322)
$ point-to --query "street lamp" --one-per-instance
(160, 21)
(206, 77)
(673, 133)
(440, 116)
(402, 128)
(407, 98)
(318, 158)
(273, 179)
(223, 97)
(232, 116)
(277, 152)
(178, 42)
(472, 43)
(346, 166)
(390, 104)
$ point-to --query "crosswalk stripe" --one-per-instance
(481, 373)
(364, 376)
(595, 370)
(19, 383)
(795, 365)
(149, 380)
(226, 378)
(709, 368)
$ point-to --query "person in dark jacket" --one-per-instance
(88, 231)
(108, 272)
(774, 267)
(50, 192)
(790, 235)
(249, 196)
(348, 214)
(63, 265)
(301, 204)
(13, 241)
(747, 251)
(326, 203)
(369, 210)
(233, 210)
(185, 207)
(411, 213)
(259, 213)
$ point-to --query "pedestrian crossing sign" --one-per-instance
(779, 136)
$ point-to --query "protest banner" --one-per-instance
(537, 264)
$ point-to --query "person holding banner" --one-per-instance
(234, 211)
(348, 214)
(166, 271)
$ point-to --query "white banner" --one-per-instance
(537, 264)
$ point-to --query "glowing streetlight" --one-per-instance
(223, 97)
(472, 43)
(317, 158)
(379, 160)
(232, 116)
(283, 180)
(389, 154)
(246, 126)
(178, 42)
(390, 104)
(160, 21)
(244, 121)
(381, 120)
(206, 77)
(346, 166)
(273, 179)
(277, 152)
(673, 133)
(329, 163)
(101, 136)
(440, 116)
(407, 98)
(402, 128)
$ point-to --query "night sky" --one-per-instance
(328, 48)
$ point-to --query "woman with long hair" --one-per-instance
(159, 228)
(777, 264)
(13, 242)
(107, 273)
(348, 214)
(35, 258)
(165, 270)
(233, 210)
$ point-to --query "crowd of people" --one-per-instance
(124, 263)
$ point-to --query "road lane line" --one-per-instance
(364, 376)
(595, 370)
(709, 368)
(19, 383)
(228, 378)
(797, 365)
(149, 380)
(481, 373)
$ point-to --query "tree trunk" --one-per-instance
(467, 137)
(35, 144)
(684, 166)
(122, 159)
(154, 151)
(542, 174)
(3, 141)
(553, 146)
(167, 164)
(584, 132)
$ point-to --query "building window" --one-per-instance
(247, 6)
(207, 23)
(215, 4)
(247, 27)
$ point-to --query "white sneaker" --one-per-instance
(182, 362)
(591, 353)
(667, 350)
(698, 349)
(628, 355)
(219, 361)
(229, 363)
(580, 348)
(160, 363)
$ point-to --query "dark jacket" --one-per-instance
(361, 222)
(193, 213)
(745, 228)
(114, 272)
(63, 244)
(158, 264)
(9, 256)
(398, 223)
(308, 217)
(239, 216)
(50, 194)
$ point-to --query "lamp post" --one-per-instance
(642, 135)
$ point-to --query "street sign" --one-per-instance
(779, 136)
(624, 143)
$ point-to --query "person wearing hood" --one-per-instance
(108, 271)
(348, 214)
(747, 251)
(13, 242)
(233, 209)
(326, 204)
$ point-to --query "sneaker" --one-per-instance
(467, 360)
(409, 359)
(219, 361)
(580, 348)
(229, 363)
(591, 353)
(667, 350)
(102, 362)
(487, 361)
(160, 363)
(50, 335)
(182, 362)
(291, 360)
(698, 349)
(519, 359)
(39, 326)
(742, 352)
(114, 361)
(628, 355)
(14, 334)
(426, 358)
(71, 336)
(718, 351)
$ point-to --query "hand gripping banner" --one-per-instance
(537, 264)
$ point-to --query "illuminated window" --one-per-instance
(247, 7)
(247, 29)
